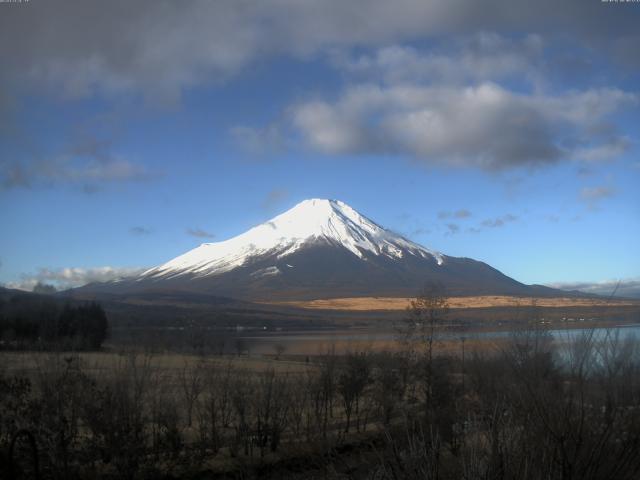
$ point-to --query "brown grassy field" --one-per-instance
(171, 364)
(396, 304)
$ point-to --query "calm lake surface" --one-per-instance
(318, 342)
(258, 342)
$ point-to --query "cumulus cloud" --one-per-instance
(455, 106)
(87, 159)
(620, 288)
(88, 162)
(443, 105)
(485, 126)
(609, 149)
(199, 233)
(71, 277)
(484, 56)
(66, 170)
(161, 47)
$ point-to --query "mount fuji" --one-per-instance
(318, 249)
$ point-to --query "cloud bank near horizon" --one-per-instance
(72, 277)
(620, 288)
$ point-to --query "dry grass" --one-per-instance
(168, 363)
(261, 360)
(396, 304)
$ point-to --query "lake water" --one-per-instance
(319, 342)
(258, 342)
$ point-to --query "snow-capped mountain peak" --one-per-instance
(311, 221)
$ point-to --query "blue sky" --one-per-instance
(126, 140)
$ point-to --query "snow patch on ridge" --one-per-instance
(266, 272)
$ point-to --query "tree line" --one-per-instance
(29, 321)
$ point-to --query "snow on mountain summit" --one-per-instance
(319, 249)
(310, 221)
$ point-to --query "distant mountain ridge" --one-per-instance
(319, 249)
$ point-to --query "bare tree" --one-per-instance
(353, 378)
(300, 394)
(241, 391)
(389, 388)
(215, 409)
(192, 384)
(271, 409)
(279, 349)
(241, 346)
(426, 315)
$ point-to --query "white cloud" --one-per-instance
(446, 105)
(66, 169)
(484, 56)
(485, 126)
(629, 287)
(71, 277)
(605, 151)
(161, 47)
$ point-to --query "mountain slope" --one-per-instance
(319, 249)
(309, 222)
